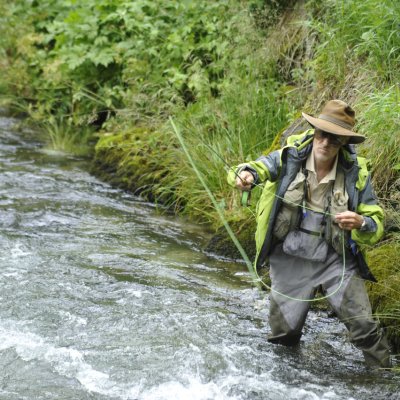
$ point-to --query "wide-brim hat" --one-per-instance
(338, 118)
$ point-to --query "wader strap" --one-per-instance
(306, 194)
(327, 211)
(314, 233)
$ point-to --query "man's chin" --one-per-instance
(324, 156)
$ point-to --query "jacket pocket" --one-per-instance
(282, 223)
(306, 246)
(295, 192)
(287, 217)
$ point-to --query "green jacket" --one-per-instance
(278, 169)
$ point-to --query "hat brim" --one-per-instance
(326, 126)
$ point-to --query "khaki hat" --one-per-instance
(338, 118)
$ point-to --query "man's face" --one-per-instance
(326, 146)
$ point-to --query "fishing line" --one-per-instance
(252, 270)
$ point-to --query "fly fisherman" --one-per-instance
(318, 203)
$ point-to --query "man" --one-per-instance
(316, 208)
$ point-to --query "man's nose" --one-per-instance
(325, 141)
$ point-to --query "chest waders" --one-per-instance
(306, 259)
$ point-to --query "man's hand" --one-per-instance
(349, 220)
(244, 180)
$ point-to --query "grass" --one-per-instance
(357, 30)
(379, 121)
(222, 133)
(63, 136)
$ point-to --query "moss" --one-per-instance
(223, 245)
(130, 160)
(385, 295)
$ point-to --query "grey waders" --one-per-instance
(300, 278)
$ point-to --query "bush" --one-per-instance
(90, 60)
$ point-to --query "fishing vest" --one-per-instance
(293, 210)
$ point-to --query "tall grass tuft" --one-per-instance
(60, 134)
(352, 30)
(380, 120)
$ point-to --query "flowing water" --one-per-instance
(103, 298)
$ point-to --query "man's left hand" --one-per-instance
(349, 220)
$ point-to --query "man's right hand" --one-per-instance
(244, 180)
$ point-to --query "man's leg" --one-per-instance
(290, 279)
(351, 303)
(284, 332)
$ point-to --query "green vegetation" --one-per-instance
(385, 295)
(233, 74)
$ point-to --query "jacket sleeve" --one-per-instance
(263, 169)
(368, 207)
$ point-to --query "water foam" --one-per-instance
(67, 362)
(231, 388)
(193, 390)
(70, 363)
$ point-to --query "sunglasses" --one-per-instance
(333, 140)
